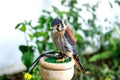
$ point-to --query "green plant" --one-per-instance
(104, 63)
(27, 50)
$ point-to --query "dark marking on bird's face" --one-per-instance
(57, 25)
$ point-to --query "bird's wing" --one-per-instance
(70, 34)
(71, 39)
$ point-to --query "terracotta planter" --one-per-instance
(56, 71)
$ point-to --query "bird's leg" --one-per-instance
(62, 58)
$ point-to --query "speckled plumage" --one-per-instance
(64, 40)
(61, 42)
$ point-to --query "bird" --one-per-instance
(65, 41)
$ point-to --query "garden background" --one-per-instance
(96, 25)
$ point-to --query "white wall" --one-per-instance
(11, 13)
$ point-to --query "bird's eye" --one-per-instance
(58, 25)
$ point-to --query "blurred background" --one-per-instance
(25, 34)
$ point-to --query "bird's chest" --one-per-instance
(59, 41)
(58, 37)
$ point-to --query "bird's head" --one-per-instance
(58, 25)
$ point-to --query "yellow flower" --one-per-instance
(107, 78)
(27, 76)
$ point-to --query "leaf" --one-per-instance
(27, 59)
(31, 36)
(55, 9)
(18, 25)
(118, 2)
(110, 4)
(29, 23)
(21, 27)
(63, 1)
(113, 44)
(49, 20)
(91, 23)
(38, 27)
(103, 55)
(79, 38)
(38, 34)
(42, 19)
(24, 48)
(51, 46)
(45, 11)
(39, 45)
(73, 14)
(107, 35)
(62, 12)
(89, 32)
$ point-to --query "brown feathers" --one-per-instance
(71, 35)
(78, 64)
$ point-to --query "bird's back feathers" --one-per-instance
(70, 35)
(71, 39)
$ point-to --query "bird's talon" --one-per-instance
(60, 60)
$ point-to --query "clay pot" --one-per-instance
(56, 71)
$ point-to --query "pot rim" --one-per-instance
(54, 66)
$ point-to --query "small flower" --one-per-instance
(107, 78)
(27, 76)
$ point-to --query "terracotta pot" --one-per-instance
(56, 71)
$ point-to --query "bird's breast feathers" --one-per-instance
(61, 42)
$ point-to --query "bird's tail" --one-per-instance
(78, 64)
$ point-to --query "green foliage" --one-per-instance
(103, 55)
(103, 64)
(36, 73)
(28, 59)
(28, 55)
(38, 34)
(21, 27)
(118, 2)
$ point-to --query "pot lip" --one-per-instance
(54, 66)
